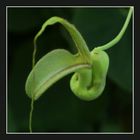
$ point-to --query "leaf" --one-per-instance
(49, 69)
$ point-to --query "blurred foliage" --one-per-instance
(59, 110)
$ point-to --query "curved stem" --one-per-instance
(75, 34)
(30, 117)
(121, 33)
(32, 101)
(34, 55)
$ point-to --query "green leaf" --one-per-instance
(49, 69)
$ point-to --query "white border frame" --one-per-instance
(132, 70)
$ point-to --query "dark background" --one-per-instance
(58, 110)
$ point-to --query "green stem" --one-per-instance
(30, 117)
(121, 33)
(32, 101)
(34, 55)
(75, 34)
